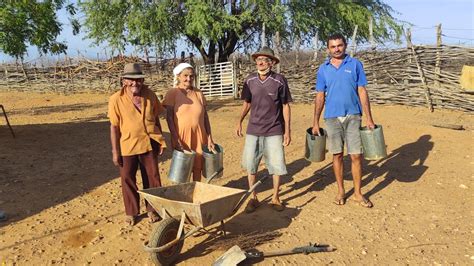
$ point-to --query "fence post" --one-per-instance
(409, 45)
(423, 80)
(371, 33)
(297, 50)
(277, 50)
(316, 46)
(354, 43)
(438, 56)
(6, 72)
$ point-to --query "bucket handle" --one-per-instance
(208, 180)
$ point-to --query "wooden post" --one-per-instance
(409, 45)
(6, 72)
(24, 71)
(438, 56)
(371, 33)
(277, 50)
(297, 50)
(316, 46)
(263, 38)
(147, 58)
(354, 43)
(423, 80)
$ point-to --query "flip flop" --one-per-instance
(251, 206)
(131, 220)
(154, 217)
(339, 201)
(366, 203)
(277, 206)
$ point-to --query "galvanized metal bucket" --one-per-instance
(181, 167)
(213, 163)
(373, 143)
(315, 148)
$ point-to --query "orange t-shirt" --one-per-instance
(136, 127)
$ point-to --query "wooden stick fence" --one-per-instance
(394, 76)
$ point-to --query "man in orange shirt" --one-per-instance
(136, 137)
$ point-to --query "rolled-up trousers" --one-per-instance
(148, 163)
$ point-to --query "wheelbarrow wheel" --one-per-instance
(163, 233)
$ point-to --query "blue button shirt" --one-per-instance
(340, 87)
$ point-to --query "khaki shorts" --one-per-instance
(347, 132)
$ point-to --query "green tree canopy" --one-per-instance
(35, 23)
(223, 26)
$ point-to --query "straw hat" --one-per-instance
(133, 71)
(266, 51)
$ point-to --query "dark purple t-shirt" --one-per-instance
(266, 98)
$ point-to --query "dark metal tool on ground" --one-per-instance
(235, 254)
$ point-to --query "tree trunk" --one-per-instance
(223, 48)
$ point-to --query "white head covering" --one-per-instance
(178, 69)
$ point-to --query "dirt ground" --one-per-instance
(62, 193)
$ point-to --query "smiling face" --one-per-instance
(133, 85)
(263, 63)
(186, 78)
(337, 48)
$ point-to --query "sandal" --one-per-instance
(339, 201)
(131, 220)
(277, 206)
(366, 203)
(154, 217)
(252, 205)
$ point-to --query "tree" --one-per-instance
(224, 26)
(35, 23)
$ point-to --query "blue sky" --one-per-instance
(456, 17)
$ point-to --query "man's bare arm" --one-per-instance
(365, 102)
(318, 109)
(115, 141)
(243, 114)
(287, 118)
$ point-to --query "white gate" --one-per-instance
(218, 80)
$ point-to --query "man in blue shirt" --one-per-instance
(340, 84)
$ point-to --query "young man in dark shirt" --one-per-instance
(267, 96)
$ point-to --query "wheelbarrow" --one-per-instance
(194, 204)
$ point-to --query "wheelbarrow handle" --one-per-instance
(247, 194)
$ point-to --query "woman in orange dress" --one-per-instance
(187, 117)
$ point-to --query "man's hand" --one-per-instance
(238, 130)
(162, 149)
(316, 130)
(370, 124)
(117, 159)
(286, 139)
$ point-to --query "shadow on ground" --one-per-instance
(49, 164)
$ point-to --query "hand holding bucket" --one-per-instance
(315, 148)
(373, 142)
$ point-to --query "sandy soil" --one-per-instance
(62, 193)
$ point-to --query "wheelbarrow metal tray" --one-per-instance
(203, 204)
